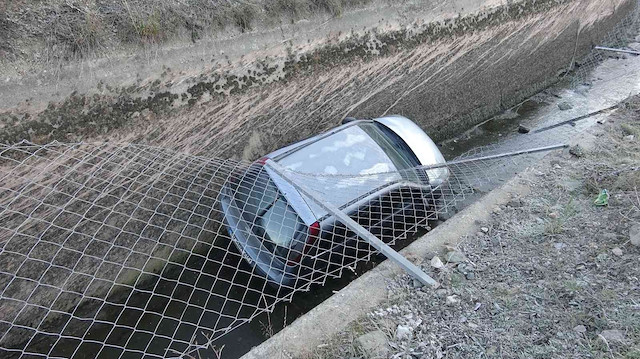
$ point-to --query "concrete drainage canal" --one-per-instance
(130, 250)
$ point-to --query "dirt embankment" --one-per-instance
(60, 30)
(446, 75)
(549, 275)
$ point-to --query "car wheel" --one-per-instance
(347, 120)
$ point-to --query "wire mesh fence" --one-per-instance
(135, 251)
(130, 251)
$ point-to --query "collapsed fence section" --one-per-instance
(125, 251)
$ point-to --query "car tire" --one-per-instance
(347, 120)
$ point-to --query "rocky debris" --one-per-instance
(374, 344)
(455, 257)
(580, 329)
(564, 106)
(634, 234)
(554, 215)
(452, 300)
(612, 335)
(429, 256)
(523, 129)
(467, 270)
(404, 332)
(601, 257)
(572, 185)
(576, 151)
(470, 275)
(417, 284)
(484, 229)
(436, 262)
(441, 292)
(515, 203)
(629, 138)
(617, 251)
(559, 245)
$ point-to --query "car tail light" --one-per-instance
(312, 236)
(262, 160)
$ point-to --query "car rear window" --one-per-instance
(275, 222)
(280, 223)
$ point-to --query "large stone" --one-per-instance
(374, 344)
(634, 234)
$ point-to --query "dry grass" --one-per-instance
(78, 28)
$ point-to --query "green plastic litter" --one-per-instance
(603, 198)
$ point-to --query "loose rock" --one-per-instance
(374, 344)
(455, 257)
(441, 292)
(484, 229)
(515, 203)
(559, 245)
(417, 284)
(404, 332)
(617, 251)
(452, 300)
(576, 151)
(580, 329)
(563, 106)
(523, 129)
(436, 262)
(470, 276)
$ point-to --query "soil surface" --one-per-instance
(552, 274)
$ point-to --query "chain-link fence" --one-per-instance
(130, 251)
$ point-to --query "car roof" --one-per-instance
(341, 165)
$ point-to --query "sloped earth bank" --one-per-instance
(445, 75)
(549, 275)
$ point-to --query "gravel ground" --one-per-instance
(551, 275)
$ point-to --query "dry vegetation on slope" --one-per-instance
(64, 29)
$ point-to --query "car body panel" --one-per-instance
(420, 143)
(300, 204)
